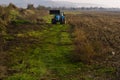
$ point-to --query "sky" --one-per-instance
(105, 3)
(97, 3)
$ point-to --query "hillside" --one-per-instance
(87, 47)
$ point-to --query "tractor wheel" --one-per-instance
(62, 21)
(53, 21)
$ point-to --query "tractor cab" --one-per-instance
(58, 17)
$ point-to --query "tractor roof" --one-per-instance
(54, 12)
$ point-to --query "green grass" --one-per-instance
(48, 18)
(18, 22)
(48, 59)
(21, 76)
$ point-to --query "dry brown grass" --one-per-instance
(96, 35)
(83, 49)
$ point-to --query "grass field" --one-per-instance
(45, 57)
(85, 48)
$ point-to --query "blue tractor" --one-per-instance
(59, 17)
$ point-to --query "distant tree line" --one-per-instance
(89, 8)
(41, 7)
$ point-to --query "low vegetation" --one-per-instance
(31, 48)
(96, 37)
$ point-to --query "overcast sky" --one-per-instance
(105, 3)
(102, 3)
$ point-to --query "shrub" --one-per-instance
(12, 6)
(14, 14)
(30, 6)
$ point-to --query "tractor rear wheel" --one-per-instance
(53, 21)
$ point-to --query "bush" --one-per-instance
(12, 6)
(30, 6)
(14, 14)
